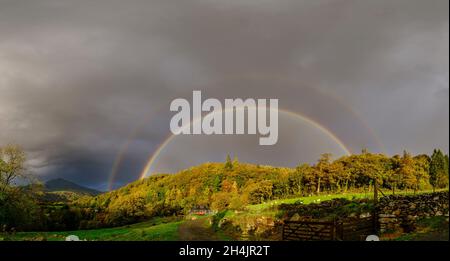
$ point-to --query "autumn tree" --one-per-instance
(256, 193)
(321, 169)
(406, 170)
(393, 177)
(421, 170)
(338, 176)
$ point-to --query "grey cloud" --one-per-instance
(78, 77)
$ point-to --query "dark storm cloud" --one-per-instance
(77, 77)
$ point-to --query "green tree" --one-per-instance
(228, 163)
(12, 159)
(17, 209)
(438, 170)
(445, 179)
(217, 183)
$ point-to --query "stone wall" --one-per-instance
(401, 212)
(329, 210)
(250, 227)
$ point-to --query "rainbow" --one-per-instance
(295, 115)
(124, 147)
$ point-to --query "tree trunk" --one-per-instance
(375, 191)
(318, 186)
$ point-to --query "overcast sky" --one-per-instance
(82, 81)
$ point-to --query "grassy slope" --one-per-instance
(270, 206)
(427, 229)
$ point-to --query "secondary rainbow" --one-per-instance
(334, 97)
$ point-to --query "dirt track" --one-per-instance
(197, 230)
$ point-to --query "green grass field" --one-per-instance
(158, 229)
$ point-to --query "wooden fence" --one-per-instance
(350, 229)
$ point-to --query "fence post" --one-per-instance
(375, 191)
(333, 230)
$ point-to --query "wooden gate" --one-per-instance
(350, 229)
(308, 230)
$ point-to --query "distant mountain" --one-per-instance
(65, 185)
